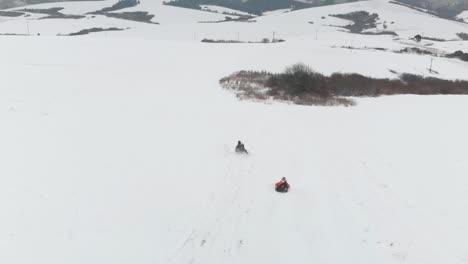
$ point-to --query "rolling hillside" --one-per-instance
(118, 146)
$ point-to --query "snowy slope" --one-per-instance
(163, 14)
(120, 159)
(464, 16)
(73, 8)
(117, 147)
(406, 22)
(174, 15)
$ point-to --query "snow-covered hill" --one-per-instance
(118, 147)
(443, 8)
(121, 151)
(464, 16)
(404, 21)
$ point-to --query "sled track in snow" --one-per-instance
(218, 229)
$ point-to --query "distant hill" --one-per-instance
(444, 8)
(4, 4)
(256, 6)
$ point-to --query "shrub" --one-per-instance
(121, 4)
(459, 55)
(302, 85)
(11, 13)
(92, 30)
(462, 36)
(139, 16)
(362, 20)
(299, 80)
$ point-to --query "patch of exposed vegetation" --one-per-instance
(138, 16)
(11, 14)
(299, 84)
(48, 11)
(385, 32)
(13, 34)
(410, 50)
(264, 41)
(93, 30)
(414, 50)
(459, 55)
(121, 4)
(463, 36)
(361, 48)
(231, 14)
(250, 85)
(62, 16)
(362, 20)
(52, 13)
(434, 39)
(230, 19)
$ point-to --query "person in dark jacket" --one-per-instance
(282, 186)
(240, 148)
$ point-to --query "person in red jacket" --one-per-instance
(282, 186)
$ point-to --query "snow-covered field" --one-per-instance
(118, 147)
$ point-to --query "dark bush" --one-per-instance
(93, 30)
(362, 20)
(138, 16)
(434, 39)
(415, 50)
(263, 41)
(299, 80)
(463, 36)
(121, 4)
(48, 11)
(301, 85)
(384, 32)
(459, 55)
(11, 14)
